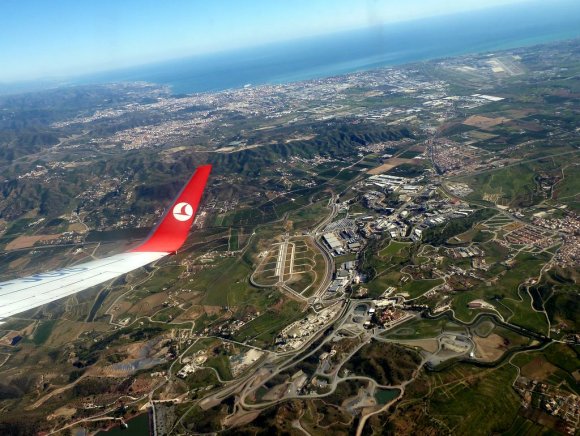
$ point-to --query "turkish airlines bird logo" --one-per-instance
(182, 211)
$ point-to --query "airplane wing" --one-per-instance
(26, 293)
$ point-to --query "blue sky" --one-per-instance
(60, 38)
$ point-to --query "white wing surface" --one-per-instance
(23, 294)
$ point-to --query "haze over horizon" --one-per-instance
(42, 41)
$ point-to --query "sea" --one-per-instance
(523, 24)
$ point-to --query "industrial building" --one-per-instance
(332, 241)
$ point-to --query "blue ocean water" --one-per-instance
(395, 44)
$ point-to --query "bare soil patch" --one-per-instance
(490, 348)
(148, 304)
(241, 418)
(190, 314)
(62, 412)
(66, 331)
(519, 113)
(77, 227)
(538, 369)
(300, 138)
(484, 122)
(390, 164)
(18, 263)
(29, 241)
(232, 149)
(513, 226)
(429, 345)
(531, 126)
(481, 136)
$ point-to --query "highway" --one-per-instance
(328, 259)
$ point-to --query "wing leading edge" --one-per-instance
(20, 295)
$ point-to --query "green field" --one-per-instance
(344, 258)
(494, 252)
(234, 241)
(524, 427)
(416, 288)
(524, 315)
(307, 217)
(409, 154)
(265, 328)
(383, 263)
(567, 190)
(227, 284)
(221, 364)
(483, 328)
(504, 294)
(19, 227)
(420, 328)
(493, 405)
(166, 276)
(380, 283)
(393, 248)
(440, 234)
(517, 186)
(565, 361)
(168, 314)
(272, 210)
(43, 331)
(201, 378)
(304, 281)
(476, 234)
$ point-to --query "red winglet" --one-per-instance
(172, 231)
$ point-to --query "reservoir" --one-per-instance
(383, 396)
(138, 426)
